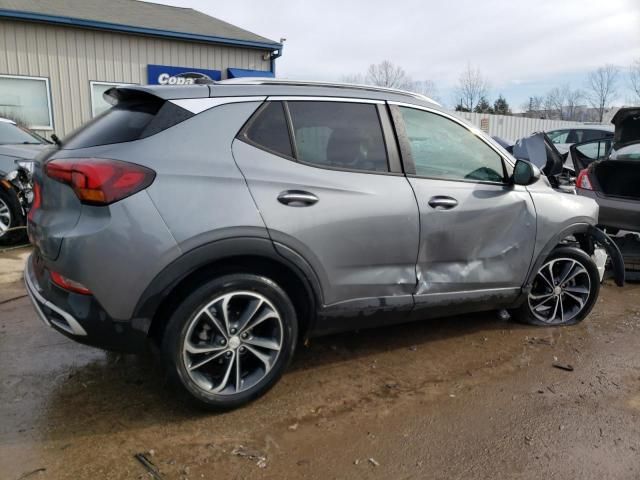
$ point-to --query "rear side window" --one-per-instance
(558, 136)
(269, 129)
(339, 135)
(127, 122)
(595, 135)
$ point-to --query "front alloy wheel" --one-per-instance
(563, 291)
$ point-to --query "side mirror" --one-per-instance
(525, 173)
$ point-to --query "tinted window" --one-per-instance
(339, 134)
(269, 129)
(442, 148)
(126, 122)
(595, 135)
(558, 136)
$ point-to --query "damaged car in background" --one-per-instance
(297, 209)
(18, 147)
(610, 174)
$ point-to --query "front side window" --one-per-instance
(339, 135)
(11, 134)
(26, 100)
(442, 148)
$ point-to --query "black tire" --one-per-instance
(17, 220)
(540, 288)
(184, 321)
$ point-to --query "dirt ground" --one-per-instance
(472, 397)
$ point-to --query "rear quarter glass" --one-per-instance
(127, 122)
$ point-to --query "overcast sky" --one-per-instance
(523, 47)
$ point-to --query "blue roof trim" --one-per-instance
(116, 27)
(242, 72)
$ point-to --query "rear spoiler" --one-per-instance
(127, 93)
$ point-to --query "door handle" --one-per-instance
(443, 203)
(297, 198)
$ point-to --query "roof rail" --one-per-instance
(355, 86)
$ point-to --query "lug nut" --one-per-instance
(228, 354)
(242, 349)
(245, 335)
(233, 330)
(222, 341)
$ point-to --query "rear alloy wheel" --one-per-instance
(11, 219)
(236, 342)
(563, 291)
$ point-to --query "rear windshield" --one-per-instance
(127, 122)
(11, 134)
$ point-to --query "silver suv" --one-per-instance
(226, 222)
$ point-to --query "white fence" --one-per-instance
(512, 128)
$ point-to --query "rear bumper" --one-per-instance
(79, 317)
(616, 212)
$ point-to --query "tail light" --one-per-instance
(583, 181)
(37, 200)
(99, 181)
(68, 284)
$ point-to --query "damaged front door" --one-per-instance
(477, 232)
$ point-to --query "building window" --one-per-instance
(98, 103)
(26, 100)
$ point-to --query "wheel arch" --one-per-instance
(239, 254)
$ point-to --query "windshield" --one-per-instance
(11, 134)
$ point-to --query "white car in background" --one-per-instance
(563, 138)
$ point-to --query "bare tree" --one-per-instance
(572, 101)
(355, 78)
(425, 87)
(634, 79)
(472, 86)
(601, 87)
(386, 74)
(555, 101)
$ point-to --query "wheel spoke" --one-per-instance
(266, 314)
(238, 373)
(550, 297)
(548, 280)
(567, 270)
(577, 299)
(260, 356)
(249, 312)
(263, 343)
(225, 313)
(195, 366)
(577, 289)
(579, 270)
(225, 380)
(217, 324)
(206, 348)
(555, 310)
(561, 309)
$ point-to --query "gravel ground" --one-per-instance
(467, 397)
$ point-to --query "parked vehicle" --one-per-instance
(18, 147)
(613, 179)
(563, 138)
(226, 222)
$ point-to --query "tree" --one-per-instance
(425, 87)
(572, 101)
(634, 79)
(533, 108)
(461, 108)
(601, 87)
(356, 78)
(501, 107)
(483, 106)
(386, 74)
(471, 87)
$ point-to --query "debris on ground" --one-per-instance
(31, 473)
(413, 348)
(503, 315)
(148, 465)
(242, 451)
(562, 366)
(373, 462)
(293, 427)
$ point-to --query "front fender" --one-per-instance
(617, 261)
